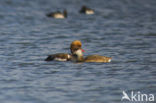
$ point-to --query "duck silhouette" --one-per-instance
(58, 14)
(85, 10)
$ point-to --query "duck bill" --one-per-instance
(83, 50)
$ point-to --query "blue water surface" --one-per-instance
(122, 29)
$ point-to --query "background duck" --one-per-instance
(86, 10)
(58, 14)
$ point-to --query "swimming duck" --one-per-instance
(86, 10)
(77, 56)
(75, 45)
(58, 14)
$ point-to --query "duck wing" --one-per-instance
(97, 58)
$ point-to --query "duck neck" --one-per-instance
(65, 13)
(78, 58)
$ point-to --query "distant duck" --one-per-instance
(58, 14)
(86, 10)
(75, 45)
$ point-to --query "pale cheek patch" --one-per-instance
(69, 56)
(109, 60)
(79, 53)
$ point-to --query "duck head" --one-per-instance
(75, 45)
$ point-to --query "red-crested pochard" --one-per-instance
(75, 45)
(77, 56)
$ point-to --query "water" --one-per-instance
(122, 29)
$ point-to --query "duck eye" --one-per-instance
(79, 45)
(75, 49)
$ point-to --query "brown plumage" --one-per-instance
(97, 58)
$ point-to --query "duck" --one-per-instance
(74, 46)
(58, 14)
(77, 56)
(86, 10)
